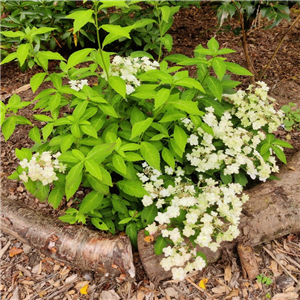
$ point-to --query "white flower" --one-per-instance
(129, 89)
(152, 228)
(169, 170)
(178, 273)
(23, 177)
(147, 200)
(193, 140)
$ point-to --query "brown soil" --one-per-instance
(29, 275)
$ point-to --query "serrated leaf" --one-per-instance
(148, 214)
(168, 157)
(34, 134)
(119, 206)
(237, 69)
(80, 18)
(279, 153)
(73, 180)
(151, 155)
(100, 152)
(55, 197)
(89, 130)
(118, 163)
(131, 231)
(219, 67)
(36, 80)
(8, 127)
(160, 244)
(189, 107)
(215, 87)
(78, 57)
(90, 202)
(118, 84)
(180, 137)
(161, 97)
(93, 168)
(140, 127)
(132, 188)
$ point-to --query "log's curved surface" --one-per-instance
(272, 211)
(71, 244)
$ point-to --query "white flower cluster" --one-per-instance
(239, 151)
(128, 67)
(77, 85)
(184, 198)
(255, 108)
(41, 167)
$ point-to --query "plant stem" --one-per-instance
(245, 45)
(278, 47)
(99, 42)
(160, 32)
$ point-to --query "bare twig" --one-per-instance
(280, 264)
(278, 47)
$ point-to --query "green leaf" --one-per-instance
(2, 112)
(279, 153)
(98, 223)
(67, 142)
(219, 67)
(80, 18)
(241, 179)
(89, 130)
(189, 107)
(42, 191)
(160, 244)
(22, 53)
(55, 197)
(54, 101)
(168, 157)
(161, 97)
(132, 188)
(119, 206)
(264, 148)
(93, 168)
(237, 69)
(9, 57)
(190, 83)
(180, 137)
(73, 180)
(215, 87)
(23, 153)
(78, 57)
(131, 231)
(213, 45)
(47, 130)
(100, 152)
(108, 110)
(125, 221)
(140, 127)
(34, 134)
(150, 154)
(98, 185)
(36, 80)
(68, 157)
(226, 179)
(172, 116)
(78, 154)
(71, 219)
(8, 127)
(41, 30)
(148, 214)
(13, 34)
(282, 143)
(91, 201)
(167, 40)
(165, 10)
(117, 30)
(118, 84)
(132, 156)
(118, 163)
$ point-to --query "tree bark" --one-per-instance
(272, 211)
(71, 244)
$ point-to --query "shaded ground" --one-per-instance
(30, 275)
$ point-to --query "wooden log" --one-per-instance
(272, 211)
(71, 244)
